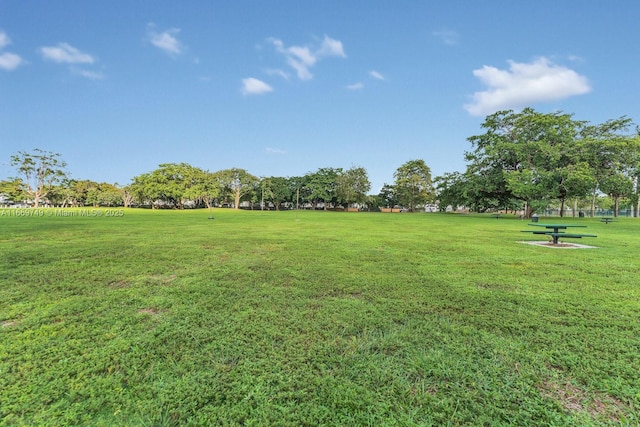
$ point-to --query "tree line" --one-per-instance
(179, 185)
(524, 161)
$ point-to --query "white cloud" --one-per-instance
(356, 86)
(447, 37)
(166, 40)
(524, 84)
(10, 61)
(65, 53)
(331, 47)
(376, 75)
(303, 58)
(93, 75)
(251, 86)
(4, 40)
(278, 72)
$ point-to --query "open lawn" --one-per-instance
(160, 318)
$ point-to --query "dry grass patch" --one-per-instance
(573, 399)
(119, 284)
(150, 311)
(162, 279)
(8, 323)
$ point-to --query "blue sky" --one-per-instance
(282, 88)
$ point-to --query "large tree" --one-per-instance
(75, 192)
(14, 189)
(127, 194)
(166, 183)
(201, 186)
(299, 190)
(413, 184)
(452, 190)
(516, 152)
(321, 186)
(104, 194)
(617, 186)
(174, 184)
(275, 189)
(611, 153)
(353, 185)
(388, 196)
(41, 170)
(238, 183)
(530, 156)
(139, 191)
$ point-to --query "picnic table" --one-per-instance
(556, 231)
(606, 220)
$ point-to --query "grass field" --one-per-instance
(162, 318)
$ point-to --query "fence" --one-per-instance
(587, 212)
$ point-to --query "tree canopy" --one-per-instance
(353, 185)
(413, 184)
(41, 170)
(530, 158)
(522, 160)
(236, 183)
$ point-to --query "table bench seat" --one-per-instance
(571, 236)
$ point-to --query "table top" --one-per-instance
(557, 225)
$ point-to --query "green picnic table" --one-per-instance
(556, 231)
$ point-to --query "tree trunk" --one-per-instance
(126, 200)
(616, 205)
(237, 199)
(561, 208)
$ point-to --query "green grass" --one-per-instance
(162, 318)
